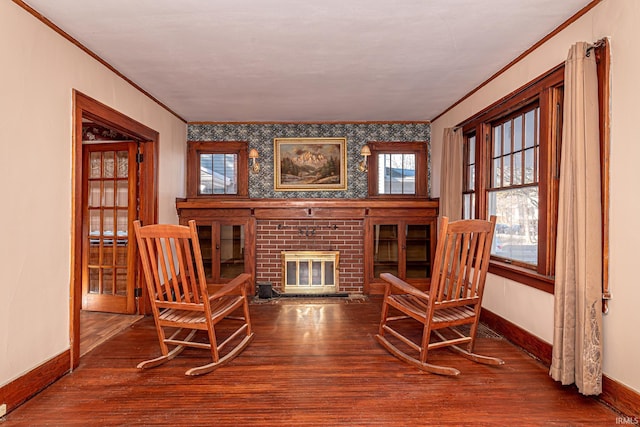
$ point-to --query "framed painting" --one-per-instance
(307, 164)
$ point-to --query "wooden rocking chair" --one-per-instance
(181, 302)
(451, 308)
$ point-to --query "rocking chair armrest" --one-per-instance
(403, 286)
(232, 287)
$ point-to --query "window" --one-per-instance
(511, 159)
(398, 169)
(469, 177)
(217, 169)
(513, 194)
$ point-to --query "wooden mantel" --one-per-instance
(309, 208)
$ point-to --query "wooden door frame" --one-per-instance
(84, 106)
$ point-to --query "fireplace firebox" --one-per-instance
(310, 272)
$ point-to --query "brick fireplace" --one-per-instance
(342, 235)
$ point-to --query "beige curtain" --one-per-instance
(451, 174)
(577, 338)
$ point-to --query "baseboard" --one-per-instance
(23, 388)
(622, 398)
(619, 396)
(530, 343)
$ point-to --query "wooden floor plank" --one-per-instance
(312, 362)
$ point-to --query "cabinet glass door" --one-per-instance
(206, 248)
(418, 256)
(231, 250)
(385, 249)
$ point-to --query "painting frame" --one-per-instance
(310, 164)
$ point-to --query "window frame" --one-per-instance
(196, 148)
(547, 92)
(419, 149)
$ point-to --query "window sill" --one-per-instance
(522, 275)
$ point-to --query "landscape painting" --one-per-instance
(303, 164)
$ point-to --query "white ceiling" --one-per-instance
(307, 60)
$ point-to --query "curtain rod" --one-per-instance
(595, 45)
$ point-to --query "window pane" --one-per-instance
(206, 174)
(516, 235)
(506, 144)
(517, 168)
(506, 171)
(529, 171)
(497, 173)
(517, 133)
(468, 206)
(218, 174)
(396, 173)
(530, 128)
(497, 141)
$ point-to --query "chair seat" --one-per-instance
(418, 308)
(218, 307)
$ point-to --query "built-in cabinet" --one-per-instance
(399, 236)
(227, 243)
(224, 247)
(401, 246)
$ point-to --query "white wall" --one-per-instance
(38, 71)
(532, 309)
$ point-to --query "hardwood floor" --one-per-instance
(97, 327)
(312, 362)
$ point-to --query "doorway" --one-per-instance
(110, 202)
(114, 183)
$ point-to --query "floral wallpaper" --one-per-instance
(260, 136)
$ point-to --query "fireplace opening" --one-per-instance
(310, 272)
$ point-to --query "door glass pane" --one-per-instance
(94, 222)
(385, 249)
(123, 226)
(121, 281)
(122, 193)
(94, 280)
(107, 252)
(95, 161)
(108, 193)
(94, 194)
(108, 225)
(418, 254)
(108, 164)
(206, 248)
(231, 250)
(123, 164)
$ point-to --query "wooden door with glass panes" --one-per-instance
(108, 255)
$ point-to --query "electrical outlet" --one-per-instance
(3, 410)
